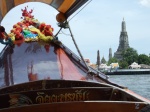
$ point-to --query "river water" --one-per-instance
(139, 84)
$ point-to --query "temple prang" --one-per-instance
(123, 42)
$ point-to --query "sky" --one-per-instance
(97, 26)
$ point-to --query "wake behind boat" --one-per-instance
(39, 73)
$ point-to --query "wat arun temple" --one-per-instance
(123, 42)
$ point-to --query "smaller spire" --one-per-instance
(98, 59)
(110, 53)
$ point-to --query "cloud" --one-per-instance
(145, 3)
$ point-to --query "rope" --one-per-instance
(65, 33)
(78, 49)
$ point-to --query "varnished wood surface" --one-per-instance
(81, 107)
(48, 84)
(63, 95)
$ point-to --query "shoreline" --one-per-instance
(128, 72)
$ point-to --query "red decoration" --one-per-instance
(47, 48)
(25, 13)
(28, 20)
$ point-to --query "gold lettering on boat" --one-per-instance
(78, 95)
(53, 98)
(40, 98)
(47, 99)
(61, 97)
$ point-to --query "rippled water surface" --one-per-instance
(140, 84)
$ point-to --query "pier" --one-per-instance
(128, 72)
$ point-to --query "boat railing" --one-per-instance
(74, 56)
(102, 75)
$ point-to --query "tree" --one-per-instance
(130, 55)
(112, 60)
(143, 59)
(123, 64)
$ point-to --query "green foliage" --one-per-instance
(130, 55)
(112, 60)
(143, 59)
(103, 60)
(123, 64)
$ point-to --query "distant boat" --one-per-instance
(41, 74)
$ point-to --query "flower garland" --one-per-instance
(30, 29)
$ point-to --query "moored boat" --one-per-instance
(39, 73)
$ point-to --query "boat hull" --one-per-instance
(81, 107)
(73, 96)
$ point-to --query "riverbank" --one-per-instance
(128, 72)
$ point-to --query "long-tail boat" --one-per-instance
(39, 73)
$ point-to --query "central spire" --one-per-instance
(123, 26)
(123, 42)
